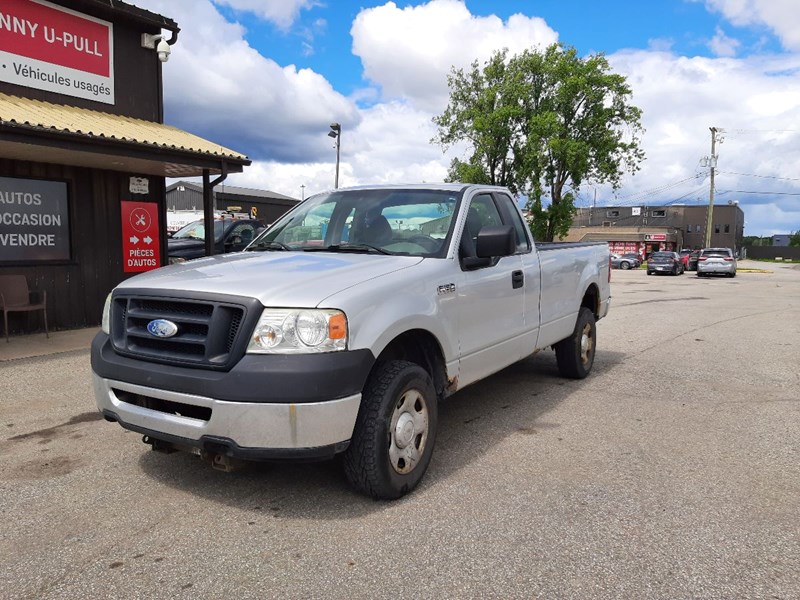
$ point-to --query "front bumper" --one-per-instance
(238, 429)
(265, 406)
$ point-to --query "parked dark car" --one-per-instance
(664, 262)
(625, 261)
(230, 235)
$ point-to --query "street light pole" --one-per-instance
(302, 191)
(336, 133)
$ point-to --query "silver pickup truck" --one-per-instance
(341, 328)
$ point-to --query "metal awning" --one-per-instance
(55, 133)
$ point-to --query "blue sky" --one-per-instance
(266, 77)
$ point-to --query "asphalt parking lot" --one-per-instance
(671, 472)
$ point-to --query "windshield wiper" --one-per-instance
(350, 248)
(273, 245)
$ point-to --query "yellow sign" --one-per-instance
(253, 212)
(233, 208)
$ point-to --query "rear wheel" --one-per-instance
(575, 354)
(395, 431)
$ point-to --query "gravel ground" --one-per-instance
(671, 472)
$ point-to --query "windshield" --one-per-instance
(197, 231)
(716, 252)
(385, 221)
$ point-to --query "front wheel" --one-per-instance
(624, 265)
(575, 354)
(394, 433)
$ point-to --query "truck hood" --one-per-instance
(176, 247)
(277, 279)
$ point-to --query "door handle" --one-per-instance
(517, 279)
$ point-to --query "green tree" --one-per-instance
(794, 239)
(540, 122)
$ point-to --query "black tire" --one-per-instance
(649, 272)
(374, 462)
(575, 354)
(624, 265)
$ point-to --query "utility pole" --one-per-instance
(712, 163)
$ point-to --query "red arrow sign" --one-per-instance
(140, 240)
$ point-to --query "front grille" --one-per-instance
(207, 330)
(169, 407)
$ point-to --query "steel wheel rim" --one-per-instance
(587, 344)
(408, 431)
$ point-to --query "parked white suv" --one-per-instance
(716, 261)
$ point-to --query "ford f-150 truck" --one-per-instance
(341, 328)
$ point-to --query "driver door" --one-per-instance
(490, 303)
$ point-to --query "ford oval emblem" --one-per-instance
(162, 328)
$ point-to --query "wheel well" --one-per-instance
(591, 300)
(421, 347)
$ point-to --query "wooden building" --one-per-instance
(264, 205)
(84, 152)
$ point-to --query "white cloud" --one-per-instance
(410, 51)
(388, 146)
(282, 13)
(782, 16)
(723, 45)
(755, 100)
(219, 87)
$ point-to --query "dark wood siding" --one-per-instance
(77, 289)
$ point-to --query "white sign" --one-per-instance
(636, 211)
(51, 48)
(139, 185)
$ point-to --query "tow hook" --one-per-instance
(158, 445)
(222, 462)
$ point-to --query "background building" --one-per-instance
(264, 205)
(781, 239)
(84, 152)
(645, 229)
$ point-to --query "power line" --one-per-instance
(729, 131)
(700, 189)
(761, 176)
(763, 193)
(640, 197)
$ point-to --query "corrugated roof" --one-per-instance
(92, 124)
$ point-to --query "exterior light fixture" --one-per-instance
(336, 133)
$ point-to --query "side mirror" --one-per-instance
(494, 241)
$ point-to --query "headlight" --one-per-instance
(106, 322)
(299, 331)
